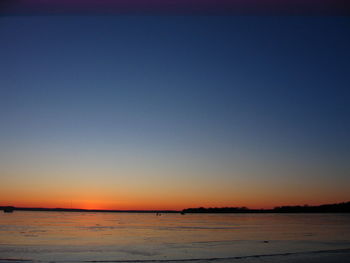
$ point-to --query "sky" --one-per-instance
(170, 112)
(171, 7)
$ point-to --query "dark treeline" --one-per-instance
(328, 208)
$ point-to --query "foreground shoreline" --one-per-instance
(320, 256)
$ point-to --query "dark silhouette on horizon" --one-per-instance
(326, 208)
(8, 209)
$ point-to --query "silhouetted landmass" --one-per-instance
(12, 208)
(8, 209)
(327, 208)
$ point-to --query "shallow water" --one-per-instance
(67, 236)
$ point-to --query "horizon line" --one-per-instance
(239, 208)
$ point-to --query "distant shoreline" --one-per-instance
(42, 209)
(326, 208)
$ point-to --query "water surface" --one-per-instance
(75, 236)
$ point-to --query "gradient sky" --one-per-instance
(169, 112)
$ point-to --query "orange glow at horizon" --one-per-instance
(156, 205)
(139, 182)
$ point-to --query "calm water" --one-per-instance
(64, 236)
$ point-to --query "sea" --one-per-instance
(147, 237)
